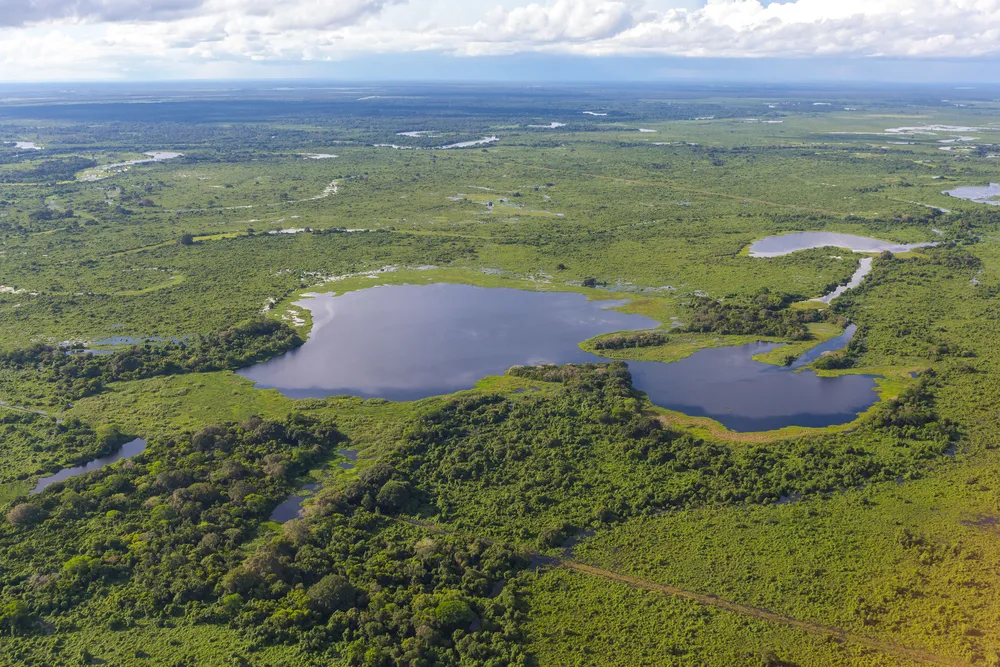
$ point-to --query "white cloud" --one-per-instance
(562, 20)
(109, 37)
(21, 12)
(748, 28)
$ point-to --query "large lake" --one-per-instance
(406, 342)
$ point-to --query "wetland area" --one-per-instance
(406, 342)
(508, 395)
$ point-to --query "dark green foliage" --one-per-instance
(159, 531)
(35, 443)
(764, 314)
(845, 358)
(177, 530)
(61, 169)
(912, 414)
(78, 375)
(630, 340)
(332, 593)
(538, 470)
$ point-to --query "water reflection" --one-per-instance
(981, 194)
(292, 507)
(727, 385)
(407, 342)
(785, 244)
(127, 451)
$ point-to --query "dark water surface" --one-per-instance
(412, 341)
(405, 342)
(128, 450)
(292, 507)
(726, 384)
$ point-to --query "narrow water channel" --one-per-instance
(127, 451)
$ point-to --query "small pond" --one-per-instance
(407, 342)
(127, 451)
(291, 508)
(981, 194)
(785, 244)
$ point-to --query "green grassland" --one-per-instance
(466, 529)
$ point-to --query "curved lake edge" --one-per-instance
(811, 240)
(662, 313)
(127, 450)
(804, 412)
(889, 383)
(413, 275)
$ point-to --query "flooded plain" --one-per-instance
(407, 342)
(106, 170)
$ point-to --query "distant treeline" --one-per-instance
(62, 169)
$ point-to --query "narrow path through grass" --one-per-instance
(915, 654)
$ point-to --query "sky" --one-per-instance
(427, 40)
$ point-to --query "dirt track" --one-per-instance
(912, 654)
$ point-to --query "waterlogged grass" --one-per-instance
(163, 405)
(679, 346)
(148, 644)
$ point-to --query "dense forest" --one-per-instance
(73, 373)
(762, 314)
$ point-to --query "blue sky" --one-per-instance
(502, 40)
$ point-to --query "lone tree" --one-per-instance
(187, 239)
(24, 515)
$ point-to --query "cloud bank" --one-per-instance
(109, 38)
